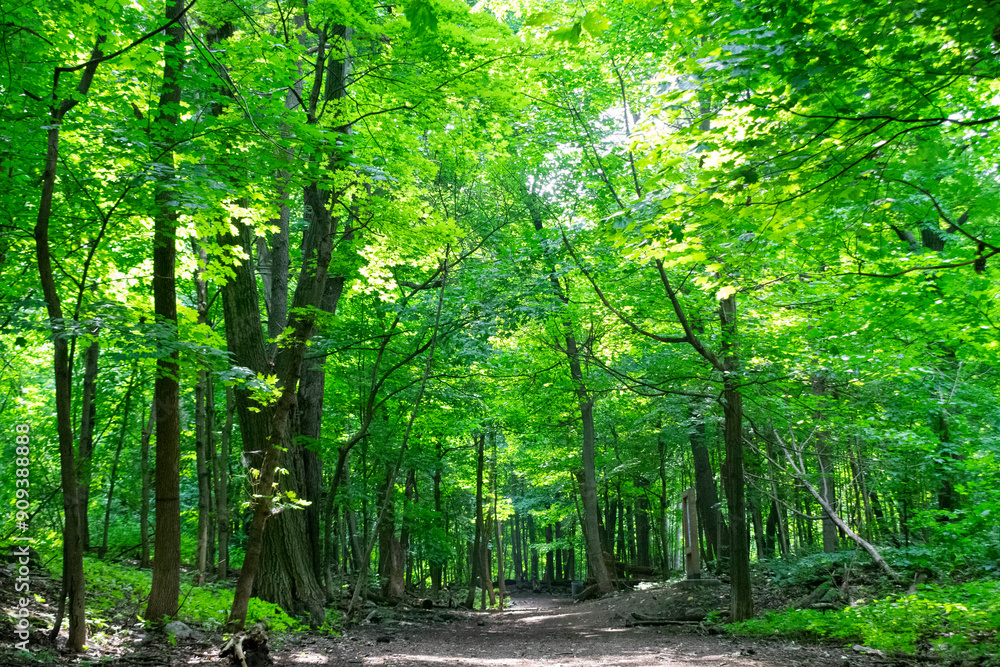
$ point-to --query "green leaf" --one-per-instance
(540, 19)
(422, 18)
(569, 34)
(595, 22)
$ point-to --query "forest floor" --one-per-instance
(540, 630)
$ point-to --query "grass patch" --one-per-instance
(952, 622)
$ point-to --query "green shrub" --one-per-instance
(955, 622)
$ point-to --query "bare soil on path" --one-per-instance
(545, 631)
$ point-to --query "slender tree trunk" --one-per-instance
(779, 512)
(436, 564)
(534, 552)
(588, 490)
(477, 560)
(517, 555)
(88, 419)
(144, 558)
(73, 584)
(827, 483)
(222, 488)
(742, 594)
(642, 531)
(201, 429)
(706, 493)
(662, 527)
(549, 564)
(114, 465)
(201, 470)
(559, 552)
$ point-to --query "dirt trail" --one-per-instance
(552, 632)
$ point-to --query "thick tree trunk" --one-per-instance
(588, 492)
(165, 588)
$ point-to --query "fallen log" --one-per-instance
(589, 593)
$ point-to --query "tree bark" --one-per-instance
(642, 531)
(588, 489)
(477, 559)
(88, 418)
(549, 564)
(798, 470)
(827, 483)
(739, 562)
(534, 552)
(114, 464)
(706, 493)
(73, 585)
(165, 588)
(144, 557)
(222, 488)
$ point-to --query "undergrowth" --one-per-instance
(116, 592)
(954, 622)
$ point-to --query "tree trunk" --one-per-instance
(222, 488)
(706, 494)
(549, 564)
(203, 464)
(559, 552)
(165, 587)
(114, 465)
(642, 531)
(798, 469)
(588, 490)
(88, 417)
(202, 472)
(476, 560)
(516, 551)
(534, 552)
(435, 563)
(784, 543)
(739, 561)
(144, 557)
(827, 483)
(662, 528)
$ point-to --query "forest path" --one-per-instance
(555, 632)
